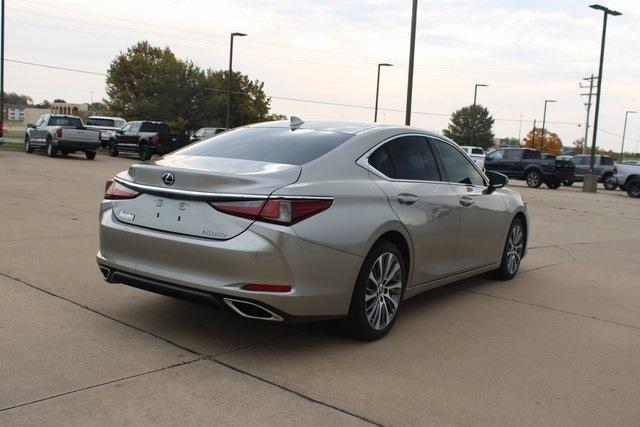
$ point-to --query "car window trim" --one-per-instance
(363, 161)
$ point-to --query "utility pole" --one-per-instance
(624, 132)
(588, 104)
(533, 135)
(412, 51)
(520, 130)
(229, 76)
(2, 75)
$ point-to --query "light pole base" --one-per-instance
(590, 184)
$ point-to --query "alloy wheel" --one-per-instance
(533, 179)
(515, 247)
(384, 290)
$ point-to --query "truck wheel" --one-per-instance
(113, 151)
(90, 155)
(567, 183)
(64, 153)
(144, 153)
(51, 150)
(553, 185)
(609, 182)
(534, 179)
(633, 188)
(27, 146)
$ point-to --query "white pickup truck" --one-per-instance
(64, 134)
(108, 127)
(627, 176)
(477, 154)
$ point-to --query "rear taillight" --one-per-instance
(59, 133)
(155, 139)
(116, 191)
(257, 287)
(279, 211)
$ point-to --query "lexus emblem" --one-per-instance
(168, 178)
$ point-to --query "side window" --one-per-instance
(126, 127)
(477, 151)
(134, 127)
(606, 161)
(496, 155)
(579, 160)
(526, 154)
(407, 157)
(513, 154)
(459, 168)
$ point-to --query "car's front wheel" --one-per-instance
(609, 182)
(27, 146)
(378, 293)
(633, 188)
(513, 251)
(90, 155)
(534, 179)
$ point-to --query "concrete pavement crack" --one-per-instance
(560, 310)
(187, 362)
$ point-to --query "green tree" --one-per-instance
(18, 99)
(147, 82)
(59, 100)
(472, 125)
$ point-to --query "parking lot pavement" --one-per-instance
(557, 345)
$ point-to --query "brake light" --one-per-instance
(278, 211)
(256, 287)
(113, 190)
(59, 133)
(155, 139)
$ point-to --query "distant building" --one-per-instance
(70, 109)
(31, 115)
(14, 113)
(506, 142)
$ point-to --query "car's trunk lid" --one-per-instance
(180, 204)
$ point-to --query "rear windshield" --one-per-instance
(101, 122)
(273, 145)
(64, 121)
(155, 127)
(477, 151)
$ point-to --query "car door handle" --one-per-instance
(407, 199)
(466, 201)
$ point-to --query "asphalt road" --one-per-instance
(558, 345)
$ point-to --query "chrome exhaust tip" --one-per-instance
(106, 273)
(252, 310)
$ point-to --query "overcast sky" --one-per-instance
(526, 50)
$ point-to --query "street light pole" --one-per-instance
(624, 132)
(473, 112)
(2, 74)
(229, 77)
(375, 114)
(544, 121)
(606, 13)
(412, 51)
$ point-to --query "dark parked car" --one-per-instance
(204, 133)
(528, 164)
(146, 138)
(603, 166)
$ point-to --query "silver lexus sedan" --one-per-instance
(291, 221)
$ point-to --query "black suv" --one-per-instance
(529, 164)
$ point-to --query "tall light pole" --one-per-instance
(375, 114)
(2, 75)
(624, 132)
(544, 121)
(229, 77)
(412, 51)
(606, 13)
(473, 112)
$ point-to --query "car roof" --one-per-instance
(105, 117)
(348, 127)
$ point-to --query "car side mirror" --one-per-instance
(496, 180)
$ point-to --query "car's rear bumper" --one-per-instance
(322, 279)
(78, 145)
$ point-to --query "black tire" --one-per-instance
(553, 185)
(51, 150)
(567, 183)
(534, 179)
(27, 146)
(113, 151)
(144, 153)
(506, 270)
(609, 182)
(383, 295)
(633, 188)
(90, 155)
